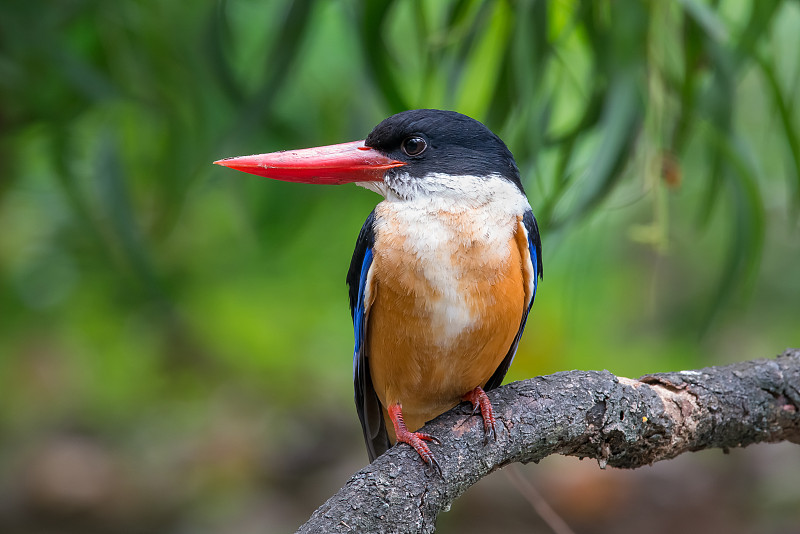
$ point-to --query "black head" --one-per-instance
(436, 141)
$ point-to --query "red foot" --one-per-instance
(479, 399)
(415, 439)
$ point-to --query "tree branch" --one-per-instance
(620, 422)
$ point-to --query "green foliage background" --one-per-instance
(191, 323)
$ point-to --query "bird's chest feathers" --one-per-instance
(440, 261)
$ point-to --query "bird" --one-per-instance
(444, 272)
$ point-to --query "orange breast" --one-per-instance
(437, 331)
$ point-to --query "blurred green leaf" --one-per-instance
(480, 78)
(620, 124)
(790, 129)
(746, 239)
(706, 19)
(371, 18)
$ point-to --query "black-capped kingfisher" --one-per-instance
(444, 271)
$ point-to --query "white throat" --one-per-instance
(466, 189)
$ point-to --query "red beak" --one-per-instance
(332, 164)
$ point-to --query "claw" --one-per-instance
(481, 401)
(434, 467)
(415, 439)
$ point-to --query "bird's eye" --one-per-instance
(414, 145)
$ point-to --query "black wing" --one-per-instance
(535, 249)
(367, 403)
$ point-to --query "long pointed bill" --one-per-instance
(332, 164)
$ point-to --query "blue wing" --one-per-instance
(535, 249)
(368, 406)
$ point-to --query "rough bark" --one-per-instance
(620, 422)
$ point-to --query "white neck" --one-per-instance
(449, 191)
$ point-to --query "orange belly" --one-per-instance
(431, 343)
